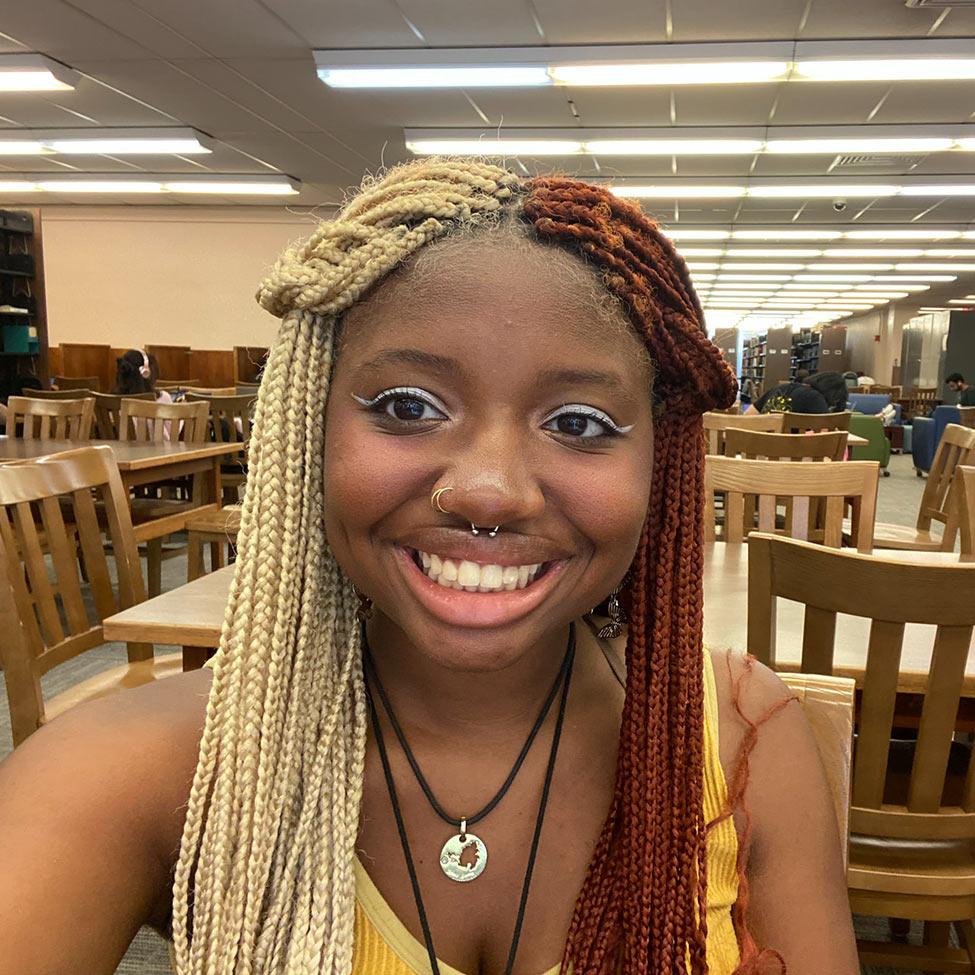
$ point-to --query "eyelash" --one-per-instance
(378, 405)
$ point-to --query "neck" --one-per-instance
(442, 698)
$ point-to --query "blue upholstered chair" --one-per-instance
(871, 404)
(927, 434)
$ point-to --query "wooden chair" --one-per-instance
(59, 394)
(88, 383)
(45, 419)
(230, 420)
(716, 423)
(215, 528)
(967, 416)
(175, 384)
(962, 511)
(830, 445)
(764, 483)
(957, 446)
(107, 408)
(912, 852)
(919, 401)
(45, 616)
(214, 390)
(814, 422)
(144, 421)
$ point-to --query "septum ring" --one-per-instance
(491, 532)
(435, 499)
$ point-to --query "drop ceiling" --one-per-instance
(242, 73)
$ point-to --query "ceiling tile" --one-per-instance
(621, 106)
(706, 20)
(346, 23)
(930, 101)
(606, 22)
(869, 18)
(472, 23)
(821, 104)
(724, 104)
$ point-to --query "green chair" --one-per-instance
(870, 428)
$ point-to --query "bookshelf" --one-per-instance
(23, 311)
(820, 350)
(767, 358)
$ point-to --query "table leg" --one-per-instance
(154, 565)
(195, 657)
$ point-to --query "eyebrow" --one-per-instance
(413, 357)
(583, 377)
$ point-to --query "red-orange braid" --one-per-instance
(643, 904)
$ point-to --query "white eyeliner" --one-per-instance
(420, 394)
(592, 413)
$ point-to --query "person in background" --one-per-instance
(824, 392)
(966, 393)
(802, 375)
(851, 379)
(137, 371)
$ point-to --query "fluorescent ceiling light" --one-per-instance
(255, 188)
(832, 277)
(912, 288)
(897, 234)
(876, 294)
(703, 266)
(17, 186)
(873, 252)
(20, 147)
(672, 147)
(495, 147)
(911, 278)
(786, 234)
(671, 73)
(34, 72)
(886, 69)
(755, 277)
(479, 76)
(859, 145)
(700, 251)
(679, 191)
(772, 252)
(935, 267)
(127, 147)
(818, 190)
(99, 186)
(852, 267)
(678, 234)
(935, 189)
(945, 252)
(810, 286)
(760, 266)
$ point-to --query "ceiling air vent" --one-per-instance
(939, 3)
(874, 163)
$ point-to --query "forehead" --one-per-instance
(502, 292)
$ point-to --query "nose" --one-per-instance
(492, 481)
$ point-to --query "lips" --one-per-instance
(481, 605)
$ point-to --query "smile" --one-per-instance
(476, 576)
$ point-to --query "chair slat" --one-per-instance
(833, 528)
(93, 551)
(40, 586)
(818, 633)
(938, 717)
(17, 580)
(877, 712)
(65, 566)
(766, 513)
(734, 513)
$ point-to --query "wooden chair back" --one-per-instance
(173, 360)
(231, 416)
(918, 401)
(209, 391)
(174, 384)
(754, 489)
(45, 617)
(87, 359)
(716, 424)
(967, 416)
(890, 594)
(828, 704)
(957, 446)
(87, 383)
(249, 360)
(962, 511)
(814, 422)
(147, 422)
(830, 445)
(107, 407)
(60, 393)
(47, 419)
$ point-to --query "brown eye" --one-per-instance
(407, 408)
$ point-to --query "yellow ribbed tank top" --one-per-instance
(384, 946)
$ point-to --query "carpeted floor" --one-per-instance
(898, 502)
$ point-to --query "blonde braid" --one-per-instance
(265, 881)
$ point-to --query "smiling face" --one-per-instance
(490, 367)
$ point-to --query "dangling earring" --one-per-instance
(617, 618)
(363, 611)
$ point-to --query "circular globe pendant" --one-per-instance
(463, 857)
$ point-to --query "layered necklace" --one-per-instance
(464, 855)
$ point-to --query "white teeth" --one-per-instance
(475, 577)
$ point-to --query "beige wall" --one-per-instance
(866, 354)
(128, 276)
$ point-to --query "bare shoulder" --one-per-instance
(91, 814)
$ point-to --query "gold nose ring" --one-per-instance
(435, 499)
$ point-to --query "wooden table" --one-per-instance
(144, 463)
(192, 616)
(853, 440)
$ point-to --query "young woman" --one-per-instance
(421, 750)
(137, 371)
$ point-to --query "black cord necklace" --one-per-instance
(565, 675)
(453, 853)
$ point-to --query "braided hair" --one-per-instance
(265, 880)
